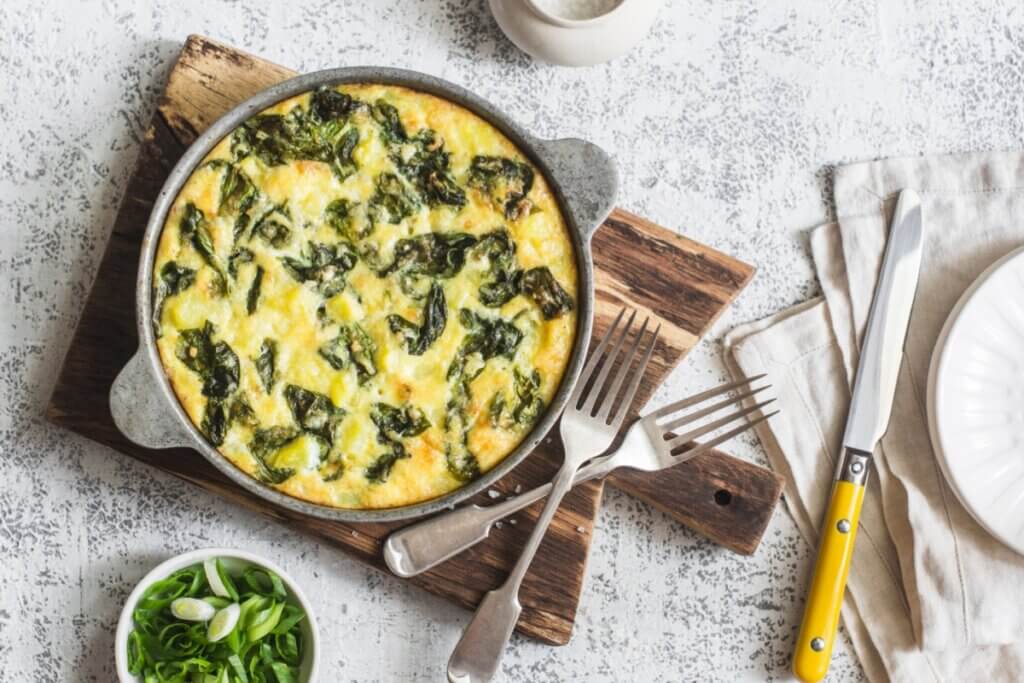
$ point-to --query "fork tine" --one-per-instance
(721, 438)
(596, 389)
(605, 409)
(690, 417)
(588, 369)
(634, 382)
(701, 397)
(712, 426)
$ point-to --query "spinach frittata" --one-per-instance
(364, 296)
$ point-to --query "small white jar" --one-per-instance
(568, 40)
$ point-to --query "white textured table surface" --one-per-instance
(725, 122)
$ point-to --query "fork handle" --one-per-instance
(478, 654)
(424, 545)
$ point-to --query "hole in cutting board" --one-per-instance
(723, 497)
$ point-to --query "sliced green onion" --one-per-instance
(220, 583)
(221, 676)
(283, 672)
(264, 581)
(217, 602)
(291, 616)
(287, 647)
(265, 623)
(136, 653)
(236, 664)
(161, 594)
(213, 578)
(226, 581)
(191, 609)
(223, 623)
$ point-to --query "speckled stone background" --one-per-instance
(725, 121)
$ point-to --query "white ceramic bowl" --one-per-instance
(570, 42)
(976, 400)
(234, 560)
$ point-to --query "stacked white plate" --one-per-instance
(976, 400)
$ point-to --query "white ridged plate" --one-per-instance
(976, 400)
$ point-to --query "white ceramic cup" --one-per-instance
(233, 560)
(574, 42)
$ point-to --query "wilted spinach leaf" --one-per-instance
(219, 415)
(266, 363)
(422, 158)
(237, 192)
(352, 346)
(496, 410)
(391, 128)
(238, 257)
(393, 425)
(314, 413)
(398, 423)
(489, 337)
(348, 219)
(529, 403)
(324, 265)
(174, 279)
(502, 283)
(460, 461)
(327, 104)
(430, 255)
(263, 136)
(505, 181)
(544, 289)
(252, 299)
(418, 338)
(343, 164)
(215, 422)
(274, 226)
(194, 230)
(240, 411)
(265, 444)
(437, 254)
(391, 201)
(380, 469)
(214, 362)
(526, 405)
(314, 134)
(424, 161)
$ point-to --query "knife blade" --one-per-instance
(875, 382)
(874, 388)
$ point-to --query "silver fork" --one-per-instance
(650, 445)
(588, 427)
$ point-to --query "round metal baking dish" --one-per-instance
(585, 183)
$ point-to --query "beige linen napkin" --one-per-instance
(932, 596)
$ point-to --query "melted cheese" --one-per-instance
(287, 311)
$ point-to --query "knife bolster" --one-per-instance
(856, 465)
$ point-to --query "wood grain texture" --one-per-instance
(685, 284)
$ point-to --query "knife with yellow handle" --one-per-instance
(870, 407)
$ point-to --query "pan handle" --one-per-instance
(140, 411)
(586, 176)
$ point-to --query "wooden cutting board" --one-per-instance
(684, 284)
